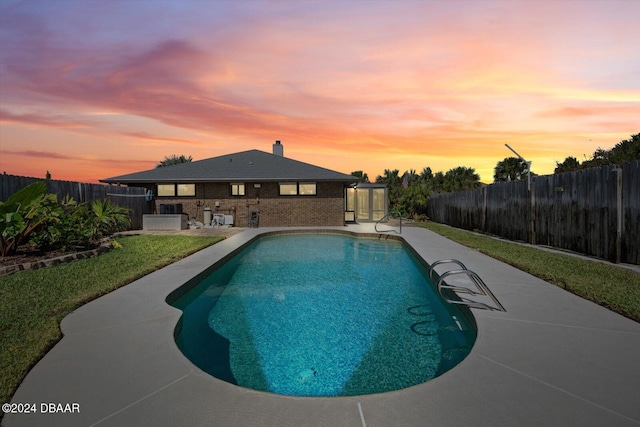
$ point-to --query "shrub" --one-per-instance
(66, 233)
(107, 218)
(23, 213)
(81, 225)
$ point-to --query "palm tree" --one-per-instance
(570, 164)
(411, 177)
(414, 199)
(362, 177)
(510, 169)
(390, 177)
(173, 160)
(426, 175)
(461, 178)
(438, 182)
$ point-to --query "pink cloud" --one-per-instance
(430, 79)
(36, 154)
(148, 137)
(595, 110)
(44, 119)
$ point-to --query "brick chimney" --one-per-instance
(278, 149)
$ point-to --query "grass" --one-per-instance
(615, 288)
(33, 303)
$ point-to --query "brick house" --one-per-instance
(284, 192)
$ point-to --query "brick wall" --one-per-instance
(326, 208)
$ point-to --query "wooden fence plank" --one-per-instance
(576, 210)
(128, 197)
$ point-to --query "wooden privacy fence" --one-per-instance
(128, 197)
(593, 211)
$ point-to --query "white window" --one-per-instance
(297, 188)
(186, 190)
(173, 190)
(237, 189)
(288, 188)
(307, 188)
(166, 190)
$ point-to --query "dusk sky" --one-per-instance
(94, 89)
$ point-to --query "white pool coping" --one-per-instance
(552, 359)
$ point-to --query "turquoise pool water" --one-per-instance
(322, 315)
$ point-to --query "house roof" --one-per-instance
(251, 165)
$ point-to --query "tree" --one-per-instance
(411, 177)
(461, 178)
(362, 177)
(390, 177)
(438, 182)
(173, 160)
(414, 199)
(570, 164)
(626, 150)
(600, 158)
(510, 169)
(394, 182)
(426, 175)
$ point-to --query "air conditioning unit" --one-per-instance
(219, 219)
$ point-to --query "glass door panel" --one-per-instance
(363, 205)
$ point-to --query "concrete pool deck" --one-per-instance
(552, 359)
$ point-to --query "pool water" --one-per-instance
(322, 315)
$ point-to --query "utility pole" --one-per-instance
(526, 162)
(532, 194)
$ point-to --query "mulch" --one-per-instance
(27, 254)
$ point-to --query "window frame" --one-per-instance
(288, 184)
(176, 193)
(185, 186)
(297, 185)
(165, 192)
(308, 183)
(238, 186)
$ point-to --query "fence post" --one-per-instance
(532, 228)
(618, 171)
(484, 209)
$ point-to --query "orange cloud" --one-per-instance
(421, 84)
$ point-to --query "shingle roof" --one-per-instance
(252, 165)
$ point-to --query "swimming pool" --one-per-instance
(321, 315)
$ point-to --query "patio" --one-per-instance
(551, 359)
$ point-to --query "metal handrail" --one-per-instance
(444, 261)
(388, 215)
(481, 287)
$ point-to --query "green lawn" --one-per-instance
(33, 303)
(615, 288)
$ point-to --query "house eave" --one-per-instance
(221, 180)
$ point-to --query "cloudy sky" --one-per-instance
(93, 89)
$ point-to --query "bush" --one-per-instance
(23, 213)
(81, 225)
(107, 218)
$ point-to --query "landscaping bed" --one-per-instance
(29, 258)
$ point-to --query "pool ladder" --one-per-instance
(481, 287)
(387, 216)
